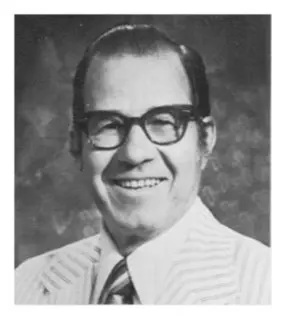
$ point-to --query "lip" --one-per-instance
(137, 178)
(130, 191)
(115, 181)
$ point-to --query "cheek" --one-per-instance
(188, 170)
(185, 156)
(94, 164)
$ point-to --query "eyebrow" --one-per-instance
(149, 109)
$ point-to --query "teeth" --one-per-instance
(133, 183)
(137, 184)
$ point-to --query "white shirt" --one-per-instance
(148, 264)
(197, 261)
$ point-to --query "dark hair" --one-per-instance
(139, 40)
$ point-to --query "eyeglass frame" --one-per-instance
(130, 121)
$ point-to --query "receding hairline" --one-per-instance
(171, 56)
(160, 54)
(136, 39)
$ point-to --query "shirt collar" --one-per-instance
(149, 263)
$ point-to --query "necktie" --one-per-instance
(118, 288)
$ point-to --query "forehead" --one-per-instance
(133, 84)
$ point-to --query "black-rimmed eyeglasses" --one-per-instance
(163, 125)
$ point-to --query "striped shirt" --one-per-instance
(198, 261)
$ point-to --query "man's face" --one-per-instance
(132, 85)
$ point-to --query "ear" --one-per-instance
(210, 140)
(75, 146)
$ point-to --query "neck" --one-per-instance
(127, 243)
(128, 240)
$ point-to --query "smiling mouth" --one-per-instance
(136, 184)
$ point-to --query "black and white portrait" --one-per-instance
(142, 159)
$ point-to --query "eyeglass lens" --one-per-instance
(161, 127)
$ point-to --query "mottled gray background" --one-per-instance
(52, 207)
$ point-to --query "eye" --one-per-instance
(110, 125)
(106, 125)
(162, 119)
(161, 122)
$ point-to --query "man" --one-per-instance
(142, 133)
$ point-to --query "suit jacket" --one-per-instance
(214, 265)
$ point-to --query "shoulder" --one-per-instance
(250, 259)
(45, 268)
(245, 249)
(243, 243)
(83, 246)
(211, 228)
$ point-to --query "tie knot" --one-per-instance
(118, 288)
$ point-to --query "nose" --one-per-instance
(137, 148)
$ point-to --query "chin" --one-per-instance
(133, 222)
